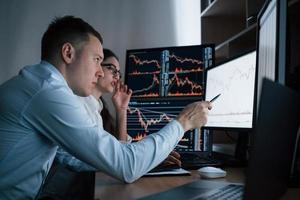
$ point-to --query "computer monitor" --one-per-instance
(234, 80)
(274, 50)
(164, 80)
(271, 42)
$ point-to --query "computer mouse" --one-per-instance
(211, 172)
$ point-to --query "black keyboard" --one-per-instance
(194, 161)
(228, 192)
(164, 168)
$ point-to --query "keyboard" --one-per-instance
(194, 161)
(228, 192)
(164, 168)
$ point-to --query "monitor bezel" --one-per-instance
(239, 129)
(280, 48)
(281, 29)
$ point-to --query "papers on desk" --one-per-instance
(170, 172)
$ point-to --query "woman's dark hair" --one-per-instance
(108, 124)
(66, 29)
(108, 53)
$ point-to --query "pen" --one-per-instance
(213, 99)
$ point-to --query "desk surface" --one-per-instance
(110, 188)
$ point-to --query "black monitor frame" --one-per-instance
(279, 69)
(282, 62)
(208, 146)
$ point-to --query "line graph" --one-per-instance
(235, 80)
(183, 60)
(147, 117)
(155, 62)
(144, 91)
(168, 72)
(195, 89)
(150, 119)
(137, 61)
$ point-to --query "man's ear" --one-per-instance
(68, 52)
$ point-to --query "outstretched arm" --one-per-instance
(64, 122)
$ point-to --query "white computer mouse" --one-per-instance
(211, 172)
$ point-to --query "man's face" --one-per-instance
(111, 69)
(85, 69)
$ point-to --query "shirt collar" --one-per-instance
(55, 73)
(94, 103)
(98, 103)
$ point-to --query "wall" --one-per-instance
(123, 24)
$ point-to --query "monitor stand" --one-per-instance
(242, 147)
(240, 157)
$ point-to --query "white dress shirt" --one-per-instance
(38, 112)
(93, 108)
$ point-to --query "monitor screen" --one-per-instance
(168, 72)
(234, 80)
(147, 117)
(271, 43)
(164, 81)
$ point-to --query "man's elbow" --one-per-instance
(130, 176)
(130, 179)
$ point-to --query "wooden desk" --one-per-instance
(110, 188)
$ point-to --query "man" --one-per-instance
(70, 178)
(39, 110)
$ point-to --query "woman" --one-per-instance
(110, 83)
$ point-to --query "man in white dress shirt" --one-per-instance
(39, 111)
(70, 178)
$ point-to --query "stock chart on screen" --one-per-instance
(146, 117)
(169, 72)
(235, 81)
(164, 81)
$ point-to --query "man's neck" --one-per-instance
(97, 94)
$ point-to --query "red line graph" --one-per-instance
(138, 61)
(137, 73)
(183, 60)
(195, 88)
(144, 122)
(155, 81)
(148, 87)
(180, 70)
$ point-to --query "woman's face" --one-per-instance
(111, 69)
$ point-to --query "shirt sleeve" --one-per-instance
(59, 116)
(71, 162)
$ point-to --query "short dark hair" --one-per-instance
(109, 53)
(66, 29)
